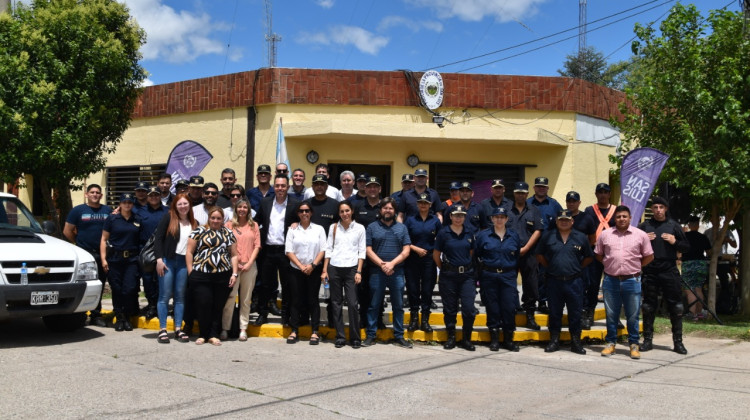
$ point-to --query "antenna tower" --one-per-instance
(581, 25)
(271, 38)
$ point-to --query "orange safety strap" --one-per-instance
(603, 221)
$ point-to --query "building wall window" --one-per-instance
(122, 179)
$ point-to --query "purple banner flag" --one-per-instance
(187, 159)
(640, 172)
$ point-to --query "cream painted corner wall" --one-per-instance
(150, 140)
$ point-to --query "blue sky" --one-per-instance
(190, 39)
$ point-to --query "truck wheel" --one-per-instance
(65, 323)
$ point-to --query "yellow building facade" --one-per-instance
(510, 127)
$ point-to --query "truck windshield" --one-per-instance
(14, 215)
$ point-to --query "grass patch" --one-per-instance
(736, 327)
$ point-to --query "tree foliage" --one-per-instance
(69, 81)
(591, 65)
(693, 102)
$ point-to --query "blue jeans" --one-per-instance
(395, 284)
(172, 285)
(616, 294)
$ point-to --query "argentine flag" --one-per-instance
(281, 155)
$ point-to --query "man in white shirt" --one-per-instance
(333, 192)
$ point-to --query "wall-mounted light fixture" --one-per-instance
(438, 119)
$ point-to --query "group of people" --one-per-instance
(213, 244)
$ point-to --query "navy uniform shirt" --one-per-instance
(150, 218)
(548, 210)
(564, 259)
(89, 222)
(583, 223)
(408, 204)
(387, 241)
(496, 253)
(255, 196)
(473, 220)
(525, 222)
(456, 249)
(364, 213)
(124, 234)
(423, 231)
(325, 212)
(398, 196)
(665, 255)
(487, 206)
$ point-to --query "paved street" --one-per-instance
(100, 373)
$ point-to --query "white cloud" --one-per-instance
(147, 82)
(476, 10)
(415, 26)
(363, 40)
(326, 4)
(176, 37)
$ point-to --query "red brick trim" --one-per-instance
(379, 88)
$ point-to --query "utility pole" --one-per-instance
(582, 26)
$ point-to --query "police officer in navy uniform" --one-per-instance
(548, 208)
(583, 223)
(457, 281)
(525, 220)
(498, 251)
(407, 183)
(497, 199)
(408, 205)
(565, 252)
(454, 198)
(472, 221)
(120, 242)
(150, 215)
(667, 239)
(141, 195)
(421, 272)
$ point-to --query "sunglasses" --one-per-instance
(235, 195)
(282, 171)
(211, 192)
(304, 211)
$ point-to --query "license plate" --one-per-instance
(45, 298)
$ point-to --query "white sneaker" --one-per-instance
(223, 336)
(243, 335)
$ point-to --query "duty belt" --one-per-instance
(126, 254)
(456, 268)
(497, 269)
(625, 277)
(564, 278)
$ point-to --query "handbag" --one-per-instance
(147, 257)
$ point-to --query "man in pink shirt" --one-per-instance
(623, 250)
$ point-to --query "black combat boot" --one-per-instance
(677, 334)
(120, 324)
(413, 321)
(576, 346)
(647, 341)
(425, 326)
(450, 343)
(531, 322)
(466, 339)
(586, 321)
(508, 343)
(554, 343)
(494, 339)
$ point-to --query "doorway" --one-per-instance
(381, 171)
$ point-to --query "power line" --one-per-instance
(557, 33)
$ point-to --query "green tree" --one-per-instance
(693, 102)
(69, 81)
(590, 65)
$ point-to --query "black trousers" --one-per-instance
(274, 266)
(565, 293)
(123, 279)
(664, 279)
(341, 280)
(500, 296)
(529, 268)
(455, 287)
(210, 292)
(304, 294)
(421, 274)
(592, 282)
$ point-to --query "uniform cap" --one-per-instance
(497, 183)
(154, 190)
(564, 214)
(127, 197)
(196, 181)
(500, 211)
(263, 169)
(319, 178)
(458, 209)
(424, 197)
(407, 178)
(372, 180)
(142, 185)
(572, 196)
(659, 200)
(182, 183)
(541, 181)
(362, 177)
(602, 186)
(455, 185)
(420, 172)
(466, 185)
(521, 186)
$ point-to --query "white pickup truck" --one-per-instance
(63, 281)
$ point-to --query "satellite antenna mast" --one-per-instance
(271, 38)
(581, 26)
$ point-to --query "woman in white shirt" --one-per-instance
(305, 247)
(344, 256)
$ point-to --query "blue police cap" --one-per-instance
(500, 211)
